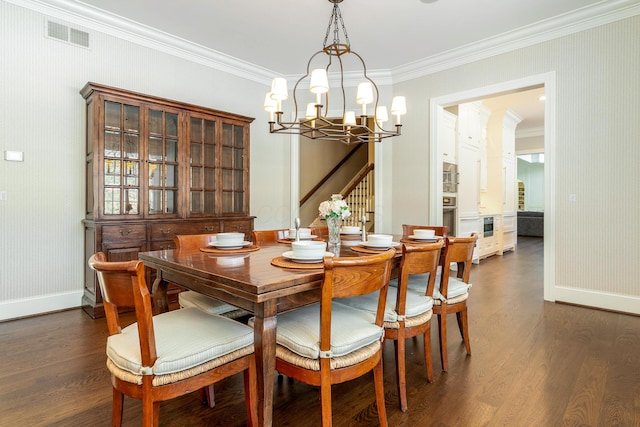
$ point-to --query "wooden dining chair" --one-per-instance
(260, 237)
(329, 343)
(320, 231)
(408, 311)
(450, 292)
(193, 242)
(162, 357)
(441, 230)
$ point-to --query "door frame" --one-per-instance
(548, 80)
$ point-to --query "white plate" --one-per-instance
(377, 246)
(292, 257)
(218, 245)
(428, 239)
(313, 236)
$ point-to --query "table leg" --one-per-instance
(265, 348)
(159, 294)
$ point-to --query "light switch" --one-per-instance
(3, 196)
(14, 156)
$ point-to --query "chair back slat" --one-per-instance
(458, 250)
(417, 259)
(123, 285)
(190, 242)
(268, 236)
(441, 230)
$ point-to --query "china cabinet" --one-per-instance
(156, 168)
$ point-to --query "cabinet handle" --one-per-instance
(125, 233)
(208, 228)
(167, 231)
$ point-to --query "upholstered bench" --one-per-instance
(531, 223)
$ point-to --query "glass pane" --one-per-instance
(196, 130)
(171, 125)
(111, 172)
(155, 149)
(131, 203)
(209, 178)
(171, 147)
(239, 136)
(227, 157)
(131, 146)
(154, 175)
(209, 155)
(131, 173)
(111, 201)
(238, 161)
(170, 201)
(196, 178)
(227, 180)
(227, 134)
(238, 184)
(196, 154)
(196, 202)
(112, 114)
(209, 202)
(227, 202)
(155, 122)
(209, 131)
(170, 176)
(131, 118)
(238, 203)
(112, 144)
(155, 201)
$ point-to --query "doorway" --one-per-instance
(547, 81)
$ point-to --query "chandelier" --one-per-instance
(317, 124)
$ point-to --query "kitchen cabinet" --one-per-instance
(156, 168)
(447, 136)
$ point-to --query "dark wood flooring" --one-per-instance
(534, 363)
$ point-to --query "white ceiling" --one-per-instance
(279, 36)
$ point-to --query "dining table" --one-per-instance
(248, 280)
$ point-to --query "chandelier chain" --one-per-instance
(333, 21)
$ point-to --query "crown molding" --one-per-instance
(123, 28)
(530, 132)
(549, 29)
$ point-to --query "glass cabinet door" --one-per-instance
(202, 161)
(121, 159)
(233, 169)
(163, 163)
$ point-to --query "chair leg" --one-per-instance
(325, 401)
(428, 360)
(400, 371)
(442, 333)
(150, 412)
(207, 396)
(116, 409)
(463, 324)
(251, 394)
(378, 379)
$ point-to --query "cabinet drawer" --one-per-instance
(167, 231)
(123, 232)
(509, 223)
(240, 226)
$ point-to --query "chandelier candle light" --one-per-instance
(316, 124)
(334, 211)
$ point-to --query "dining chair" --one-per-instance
(193, 242)
(320, 231)
(441, 230)
(408, 311)
(260, 237)
(162, 357)
(451, 291)
(329, 343)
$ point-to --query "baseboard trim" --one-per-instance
(611, 302)
(27, 307)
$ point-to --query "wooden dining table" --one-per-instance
(249, 281)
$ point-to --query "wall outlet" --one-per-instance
(572, 198)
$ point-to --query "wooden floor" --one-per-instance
(534, 363)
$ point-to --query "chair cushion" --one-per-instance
(418, 282)
(299, 330)
(184, 338)
(417, 303)
(204, 303)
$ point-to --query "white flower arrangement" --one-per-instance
(334, 208)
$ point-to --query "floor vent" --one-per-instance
(67, 34)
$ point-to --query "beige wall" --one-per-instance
(596, 155)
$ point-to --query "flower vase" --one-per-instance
(334, 224)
